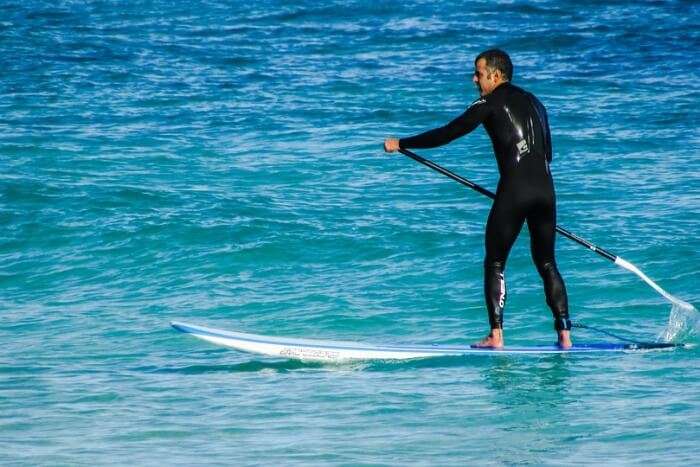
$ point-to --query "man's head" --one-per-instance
(491, 68)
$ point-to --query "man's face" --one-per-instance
(485, 80)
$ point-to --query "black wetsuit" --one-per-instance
(517, 124)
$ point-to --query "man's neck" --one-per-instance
(499, 85)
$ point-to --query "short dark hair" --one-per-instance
(499, 60)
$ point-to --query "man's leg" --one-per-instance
(502, 229)
(542, 234)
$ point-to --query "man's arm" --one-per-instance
(544, 122)
(460, 126)
(547, 137)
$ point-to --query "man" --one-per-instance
(517, 124)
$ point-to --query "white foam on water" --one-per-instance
(683, 323)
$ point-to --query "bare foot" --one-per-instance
(565, 339)
(493, 341)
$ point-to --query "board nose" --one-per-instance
(179, 326)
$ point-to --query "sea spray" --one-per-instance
(683, 322)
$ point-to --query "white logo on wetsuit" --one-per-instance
(502, 298)
(523, 148)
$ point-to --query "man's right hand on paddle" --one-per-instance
(391, 145)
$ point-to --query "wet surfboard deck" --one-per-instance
(337, 351)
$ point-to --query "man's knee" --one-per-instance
(546, 267)
(491, 264)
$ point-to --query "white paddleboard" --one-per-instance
(339, 351)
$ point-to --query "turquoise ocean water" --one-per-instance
(220, 163)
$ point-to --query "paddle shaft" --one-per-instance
(572, 236)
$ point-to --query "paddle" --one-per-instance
(604, 253)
